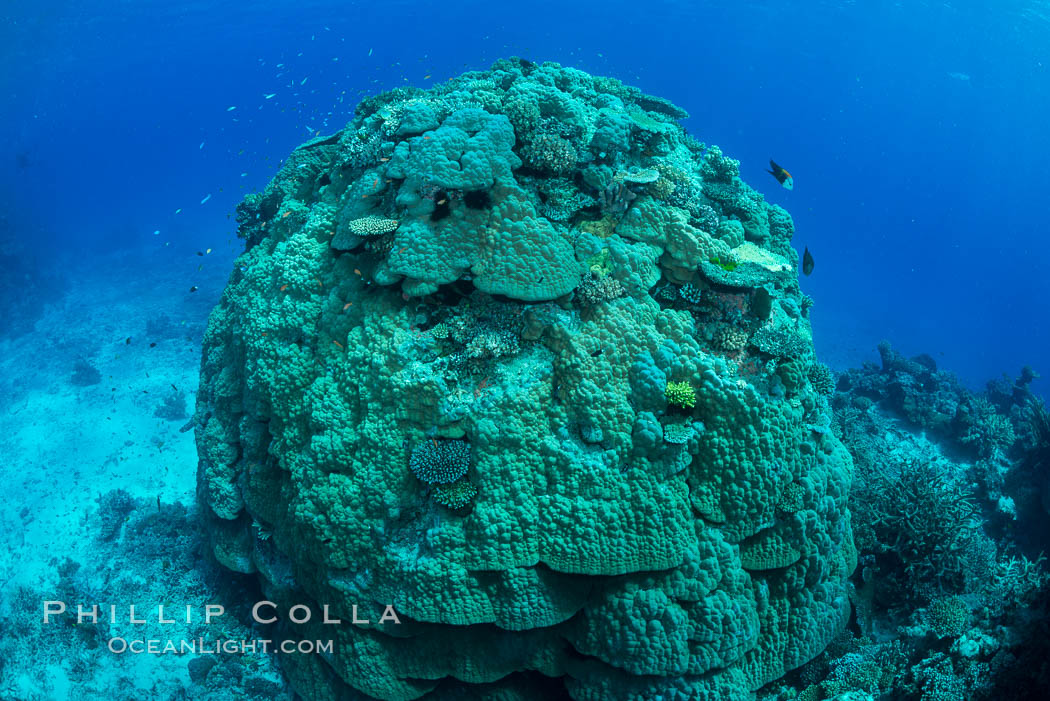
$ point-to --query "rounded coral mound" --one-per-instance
(406, 388)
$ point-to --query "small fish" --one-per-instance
(347, 306)
(783, 177)
(127, 341)
(231, 108)
(200, 253)
(356, 271)
(201, 146)
(441, 202)
(598, 352)
(384, 159)
(174, 387)
(178, 210)
(194, 288)
(270, 96)
(153, 345)
(807, 262)
(208, 251)
(157, 232)
(337, 343)
(303, 81)
(208, 197)
(426, 77)
(284, 287)
(370, 52)
(286, 214)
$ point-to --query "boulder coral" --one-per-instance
(450, 425)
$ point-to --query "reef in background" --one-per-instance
(26, 285)
(950, 518)
(522, 359)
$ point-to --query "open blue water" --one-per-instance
(915, 132)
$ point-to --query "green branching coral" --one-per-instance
(726, 265)
(680, 394)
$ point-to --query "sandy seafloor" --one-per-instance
(64, 442)
(64, 445)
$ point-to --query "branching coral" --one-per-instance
(457, 495)
(1037, 454)
(173, 407)
(440, 462)
(595, 290)
(680, 394)
(731, 338)
(988, 430)
(948, 616)
(925, 520)
(550, 153)
(372, 226)
(822, 379)
(84, 374)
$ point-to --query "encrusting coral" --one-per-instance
(470, 421)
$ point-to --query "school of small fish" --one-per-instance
(291, 99)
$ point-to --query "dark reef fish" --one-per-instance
(807, 262)
(783, 177)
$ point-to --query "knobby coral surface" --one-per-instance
(446, 424)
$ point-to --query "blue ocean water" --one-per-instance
(915, 132)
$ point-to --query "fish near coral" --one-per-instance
(783, 177)
(807, 262)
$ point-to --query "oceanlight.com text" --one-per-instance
(200, 646)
